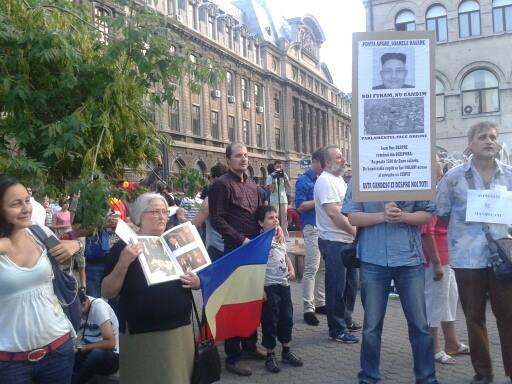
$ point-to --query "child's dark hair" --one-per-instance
(262, 211)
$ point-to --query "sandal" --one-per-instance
(462, 350)
(443, 358)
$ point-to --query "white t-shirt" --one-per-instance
(38, 213)
(99, 312)
(329, 189)
(30, 313)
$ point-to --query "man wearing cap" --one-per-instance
(393, 71)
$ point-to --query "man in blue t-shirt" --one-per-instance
(313, 286)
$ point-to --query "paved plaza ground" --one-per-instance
(328, 362)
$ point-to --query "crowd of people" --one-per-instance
(425, 249)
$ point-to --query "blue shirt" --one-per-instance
(467, 245)
(388, 245)
(304, 188)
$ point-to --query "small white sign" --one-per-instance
(489, 206)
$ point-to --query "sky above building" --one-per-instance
(338, 19)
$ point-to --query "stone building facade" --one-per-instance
(473, 66)
(278, 97)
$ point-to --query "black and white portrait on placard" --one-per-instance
(393, 69)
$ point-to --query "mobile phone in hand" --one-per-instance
(52, 241)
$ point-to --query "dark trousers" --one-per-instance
(474, 285)
(95, 362)
(234, 346)
(277, 316)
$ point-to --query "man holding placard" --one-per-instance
(457, 206)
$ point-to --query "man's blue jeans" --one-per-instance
(338, 309)
(55, 368)
(94, 273)
(410, 283)
(96, 362)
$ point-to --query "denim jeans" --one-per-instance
(277, 316)
(337, 309)
(410, 283)
(95, 362)
(55, 368)
(94, 273)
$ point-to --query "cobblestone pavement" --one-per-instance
(326, 361)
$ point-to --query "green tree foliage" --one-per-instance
(188, 180)
(74, 101)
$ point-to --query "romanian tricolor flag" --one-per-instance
(232, 289)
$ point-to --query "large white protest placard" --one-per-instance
(489, 206)
(393, 111)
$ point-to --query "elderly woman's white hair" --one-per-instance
(141, 204)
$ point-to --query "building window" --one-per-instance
(436, 21)
(191, 16)
(196, 120)
(174, 117)
(243, 43)
(245, 90)
(480, 93)
(405, 21)
(259, 136)
(246, 131)
(100, 21)
(277, 102)
(502, 15)
(211, 27)
(469, 18)
(231, 128)
(439, 99)
(230, 86)
(228, 37)
(278, 137)
(274, 64)
(258, 95)
(294, 74)
(215, 124)
(257, 58)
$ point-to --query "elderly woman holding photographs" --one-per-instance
(42, 352)
(156, 343)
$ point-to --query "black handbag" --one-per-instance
(65, 285)
(207, 365)
(500, 262)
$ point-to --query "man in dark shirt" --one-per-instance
(233, 199)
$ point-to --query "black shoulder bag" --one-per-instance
(206, 356)
(65, 286)
(501, 249)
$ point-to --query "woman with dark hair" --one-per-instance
(35, 342)
(61, 222)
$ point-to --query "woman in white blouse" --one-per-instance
(36, 337)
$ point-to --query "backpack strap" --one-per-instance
(470, 179)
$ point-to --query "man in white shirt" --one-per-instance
(335, 235)
(98, 351)
(38, 211)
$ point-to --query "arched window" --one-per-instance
(480, 93)
(469, 18)
(436, 21)
(250, 171)
(502, 15)
(439, 99)
(405, 21)
(201, 167)
(230, 86)
(177, 165)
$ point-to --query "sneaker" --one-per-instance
(238, 369)
(354, 326)
(321, 310)
(479, 379)
(290, 358)
(310, 318)
(271, 363)
(346, 338)
(257, 354)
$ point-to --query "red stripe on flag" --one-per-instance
(238, 320)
